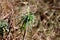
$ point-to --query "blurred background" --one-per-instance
(44, 26)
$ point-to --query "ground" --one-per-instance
(46, 23)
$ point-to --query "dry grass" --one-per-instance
(46, 25)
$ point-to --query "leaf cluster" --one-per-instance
(3, 27)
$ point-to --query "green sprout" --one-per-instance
(28, 19)
(3, 27)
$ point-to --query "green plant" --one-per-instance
(3, 27)
(28, 19)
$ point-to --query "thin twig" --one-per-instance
(5, 17)
(57, 8)
(24, 34)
